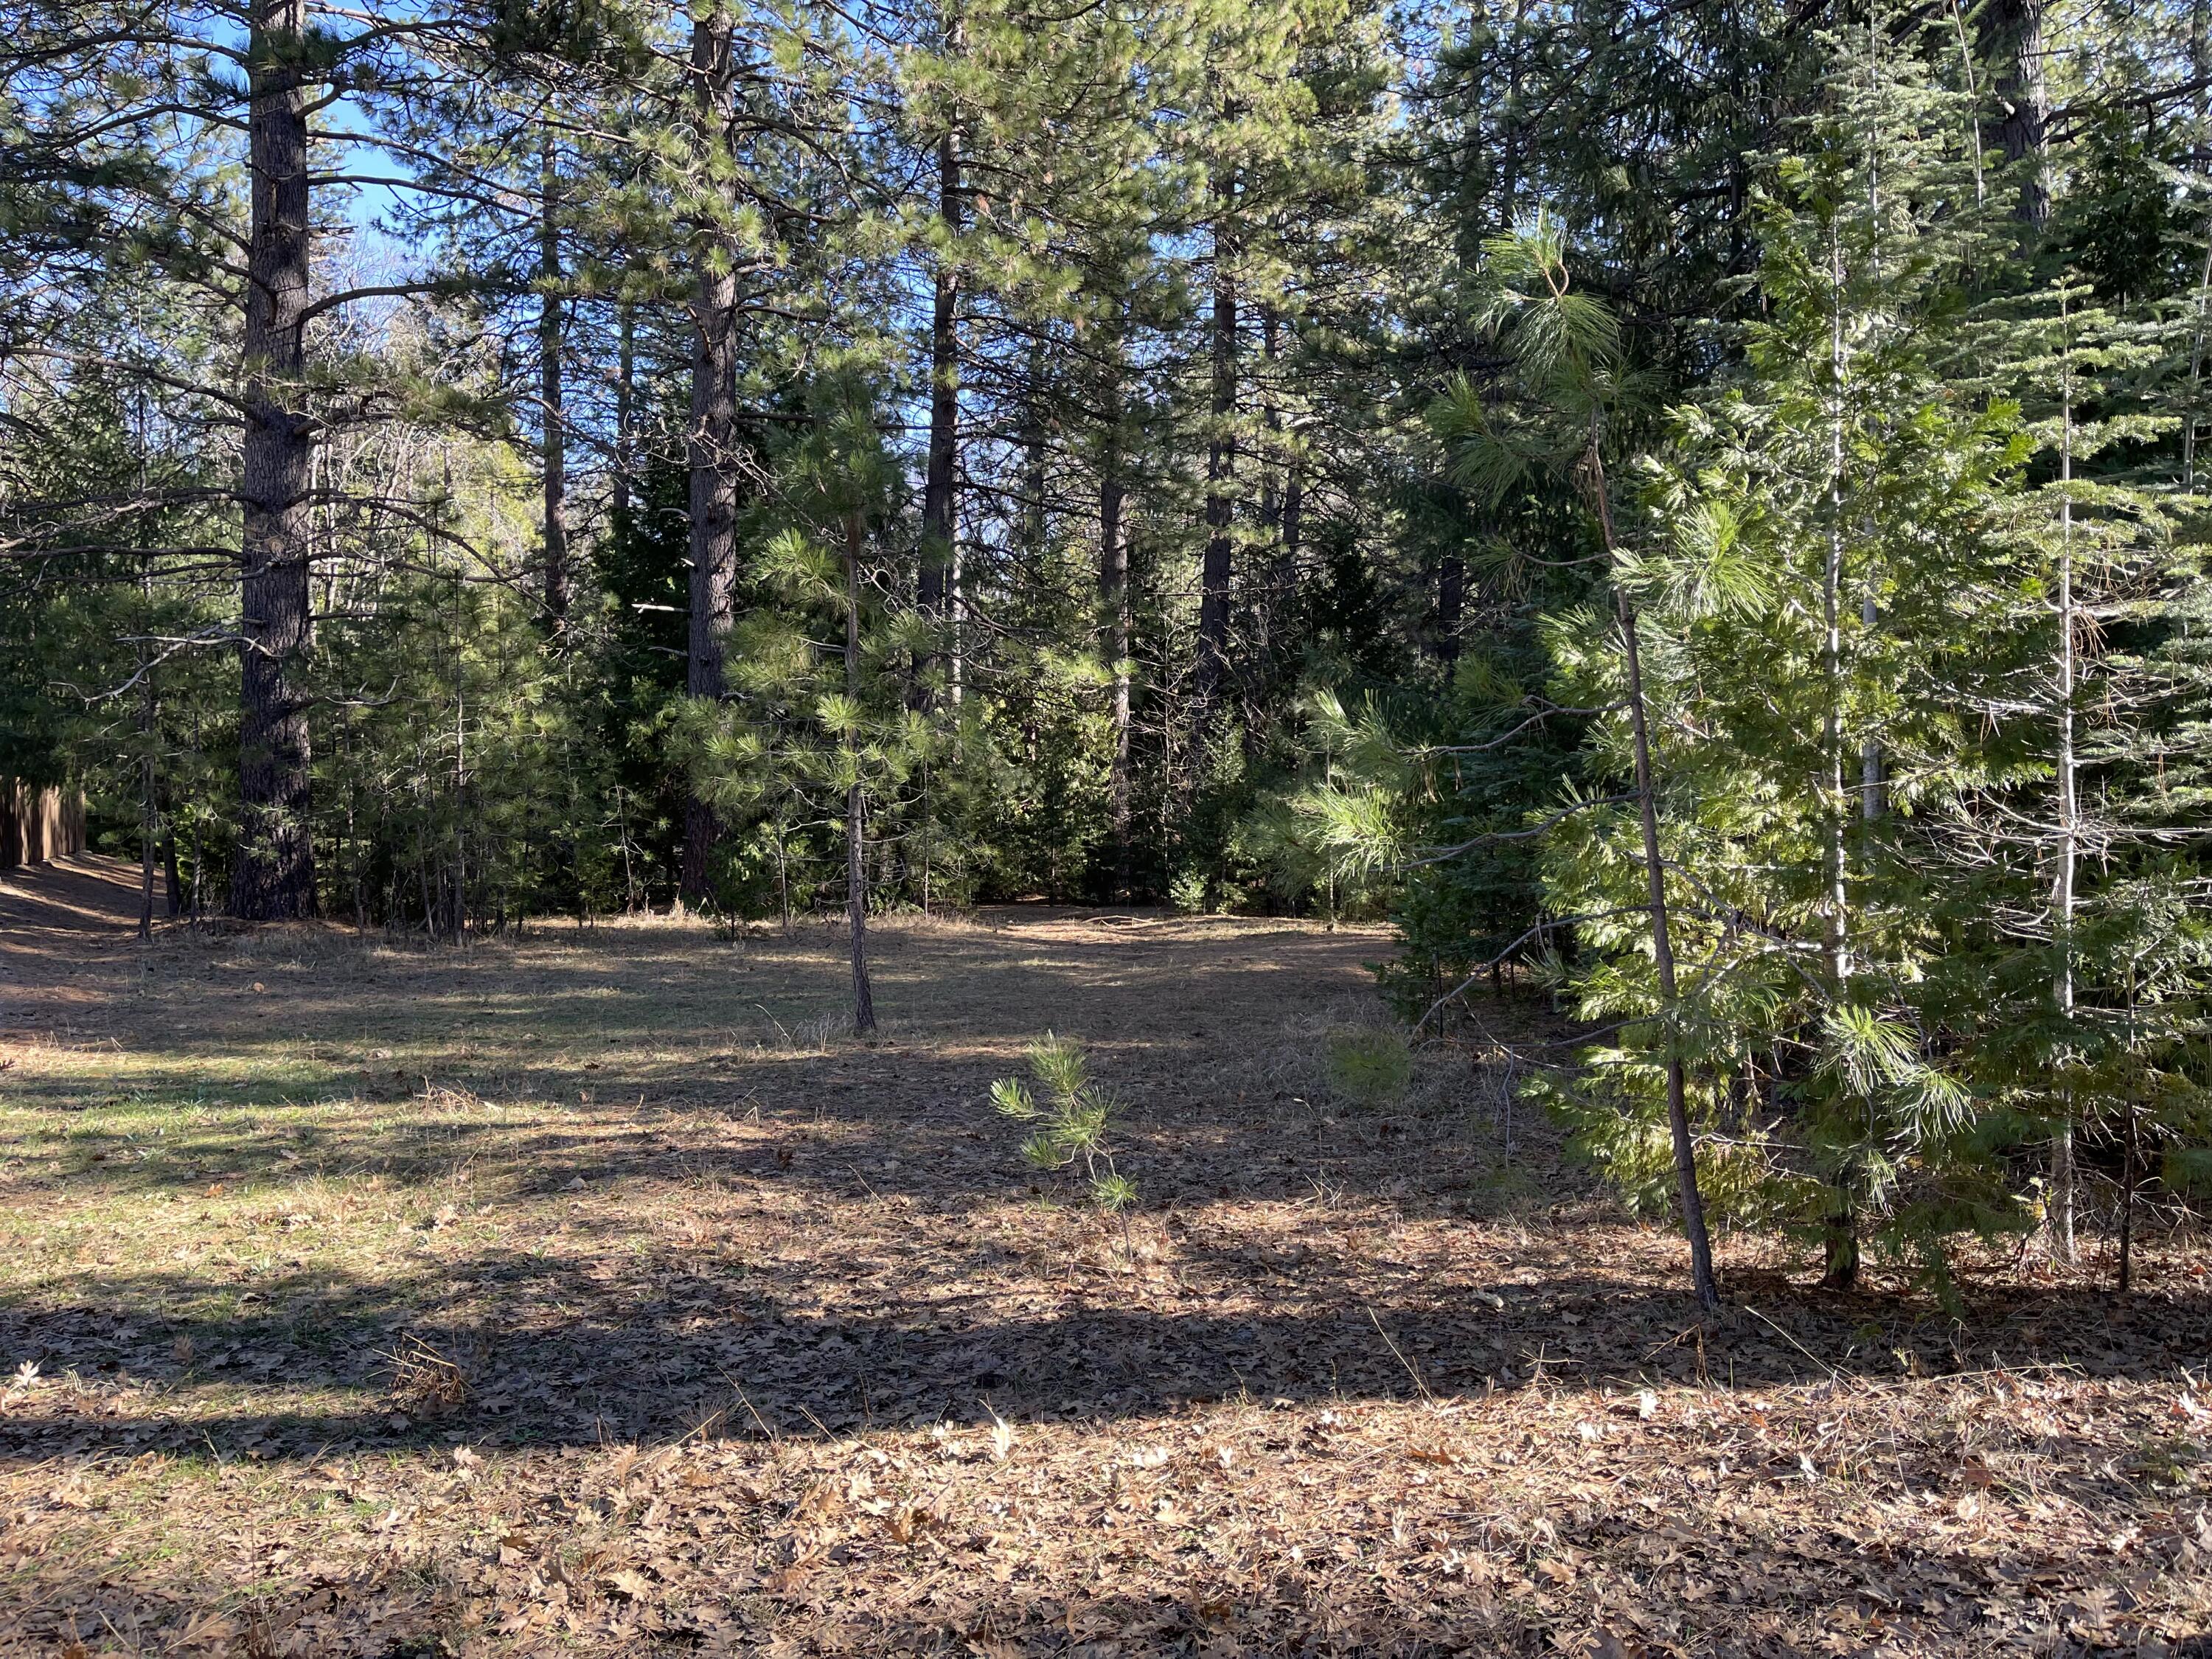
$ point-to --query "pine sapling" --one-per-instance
(1071, 1117)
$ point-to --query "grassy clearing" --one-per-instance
(591, 1294)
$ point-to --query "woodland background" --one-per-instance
(1694, 506)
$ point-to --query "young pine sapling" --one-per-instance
(1070, 1116)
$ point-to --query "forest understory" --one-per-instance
(591, 1293)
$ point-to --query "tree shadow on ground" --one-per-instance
(657, 1353)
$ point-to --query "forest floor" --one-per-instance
(591, 1293)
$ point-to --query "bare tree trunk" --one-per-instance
(273, 877)
(856, 823)
(1662, 951)
(550, 323)
(712, 441)
(940, 505)
(1216, 569)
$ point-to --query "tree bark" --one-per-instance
(273, 877)
(856, 821)
(711, 443)
(2012, 43)
(550, 324)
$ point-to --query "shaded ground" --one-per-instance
(590, 1293)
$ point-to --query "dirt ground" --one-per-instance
(592, 1293)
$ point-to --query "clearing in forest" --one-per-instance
(591, 1293)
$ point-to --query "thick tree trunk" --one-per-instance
(274, 875)
(940, 506)
(1216, 570)
(1662, 950)
(2012, 44)
(550, 324)
(711, 444)
(856, 818)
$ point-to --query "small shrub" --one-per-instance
(1187, 892)
(1071, 1118)
(1370, 1067)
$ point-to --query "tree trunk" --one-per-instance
(1216, 570)
(273, 877)
(940, 506)
(549, 326)
(1264, 645)
(1662, 952)
(625, 398)
(1839, 1243)
(172, 892)
(711, 445)
(2061, 1149)
(1037, 454)
(148, 817)
(1282, 580)
(1114, 599)
(2012, 43)
(856, 823)
(1451, 605)
(149, 720)
(2128, 1157)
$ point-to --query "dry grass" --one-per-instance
(595, 1294)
